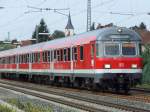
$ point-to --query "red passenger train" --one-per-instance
(107, 58)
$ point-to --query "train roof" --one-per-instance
(84, 38)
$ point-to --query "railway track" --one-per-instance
(49, 98)
(13, 86)
(141, 90)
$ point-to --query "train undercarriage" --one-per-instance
(119, 83)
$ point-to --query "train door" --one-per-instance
(81, 56)
(52, 60)
(17, 62)
(30, 62)
(74, 56)
(92, 54)
(71, 58)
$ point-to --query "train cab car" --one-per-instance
(118, 63)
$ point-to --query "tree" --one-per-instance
(134, 27)
(142, 26)
(99, 26)
(146, 64)
(92, 27)
(14, 41)
(41, 28)
(57, 34)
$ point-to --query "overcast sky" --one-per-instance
(13, 18)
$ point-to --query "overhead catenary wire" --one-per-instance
(104, 2)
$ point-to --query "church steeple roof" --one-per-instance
(69, 24)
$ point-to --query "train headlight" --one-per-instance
(119, 30)
(134, 65)
(107, 66)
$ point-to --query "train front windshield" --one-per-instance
(112, 49)
(120, 49)
(117, 48)
(129, 49)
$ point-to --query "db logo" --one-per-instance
(121, 65)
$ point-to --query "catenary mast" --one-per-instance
(88, 15)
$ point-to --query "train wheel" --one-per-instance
(117, 88)
(126, 88)
(95, 87)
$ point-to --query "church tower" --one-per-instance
(69, 29)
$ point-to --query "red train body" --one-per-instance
(106, 58)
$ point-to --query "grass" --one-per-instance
(4, 108)
(144, 85)
(28, 106)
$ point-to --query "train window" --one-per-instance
(92, 50)
(25, 58)
(36, 57)
(65, 54)
(28, 58)
(2, 60)
(13, 60)
(22, 58)
(61, 55)
(81, 53)
(10, 60)
(32, 59)
(45, 55)
(19, 59)
(48, 56)
(58, 55)
(129, 49)
(51, 55)
(112, 49)
(55, 55)
(98, 53)
(140, 49)
(68, 54)
(74, 53)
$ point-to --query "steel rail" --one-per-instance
(145, 90)
(104, 103)
(57, 100)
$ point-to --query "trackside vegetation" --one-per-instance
(146, 64)
(146, 67)
(28, 106)
(4, 108)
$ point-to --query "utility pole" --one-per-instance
(37, 33)
(8, 38)
(88, 15)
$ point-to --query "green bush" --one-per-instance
(29, 107)
(146, 64)
(4, 108)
